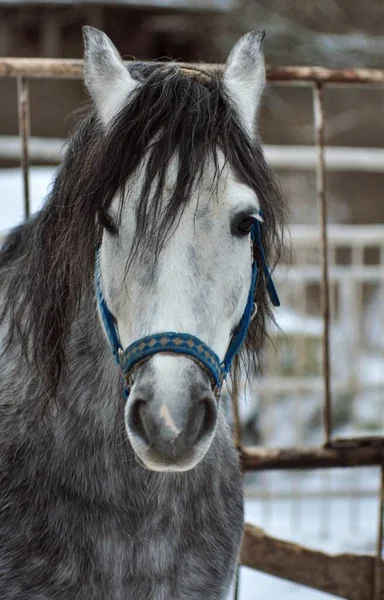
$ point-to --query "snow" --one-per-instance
(334, 524)
(343, 535)
(291, 323)
(11, 193)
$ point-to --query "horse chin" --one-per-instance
(162, 467)
(151, 460)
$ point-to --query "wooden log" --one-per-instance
(257, 458)
(73, 69)
(344, 575)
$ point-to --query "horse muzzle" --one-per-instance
(171, 430)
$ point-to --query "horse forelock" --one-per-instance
(174, 111)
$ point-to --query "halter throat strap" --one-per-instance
(170, 342)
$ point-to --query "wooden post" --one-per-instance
(344, 575)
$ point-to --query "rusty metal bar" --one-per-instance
(24, 131)
(48, 68)
(323, 75)
(377, 584)
(263, 459)
(236, 416)
(319, 139)
(237, 434)
(236, 594)
(41, 68)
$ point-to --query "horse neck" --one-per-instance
(91, 381)
(89, 376)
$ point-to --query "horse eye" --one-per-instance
(107, 223)
(245, 225)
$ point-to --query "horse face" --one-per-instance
(196, 283)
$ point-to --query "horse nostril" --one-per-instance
(168, 432)
(205, 418)
(139, 420)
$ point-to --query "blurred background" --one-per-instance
(330, 510)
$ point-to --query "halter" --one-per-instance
(185, 343)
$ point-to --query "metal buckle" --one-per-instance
(126, 377)
(127, 384)
(254, 311)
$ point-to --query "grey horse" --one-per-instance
(113, 496)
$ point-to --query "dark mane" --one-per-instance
(47, 264)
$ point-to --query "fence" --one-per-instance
(312, 506)
(347, 576)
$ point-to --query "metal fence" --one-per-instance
(284, 407)
(342, 290)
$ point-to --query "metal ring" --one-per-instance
(254, 311)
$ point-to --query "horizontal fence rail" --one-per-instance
(339, 453)
(290, 158)
(49, 68)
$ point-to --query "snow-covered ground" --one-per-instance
(11, 193)
(330, 524)
(340, 533)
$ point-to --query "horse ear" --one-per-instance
(105, 76)
(244, 75)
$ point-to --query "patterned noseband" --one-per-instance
(184, 343)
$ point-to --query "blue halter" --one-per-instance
(184, 343)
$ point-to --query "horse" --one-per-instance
(125, 302)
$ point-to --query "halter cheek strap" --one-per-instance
(185, 343)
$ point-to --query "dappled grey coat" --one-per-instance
(80, 519)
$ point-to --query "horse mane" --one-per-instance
(47, 264)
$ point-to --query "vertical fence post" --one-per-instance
(319, 135)
(24, 131)
(236, 593)
(379, 544)
(239, 445)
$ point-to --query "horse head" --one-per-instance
(177, 241)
